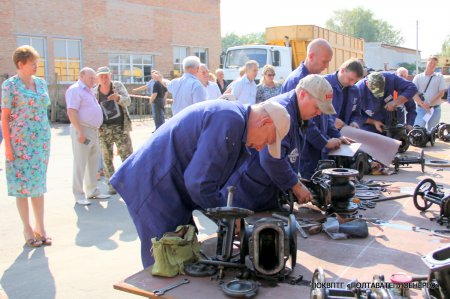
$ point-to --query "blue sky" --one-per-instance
(245, 16)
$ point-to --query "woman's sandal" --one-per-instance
(46, 241)
(33, 243)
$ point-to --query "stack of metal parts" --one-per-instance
(366, 193)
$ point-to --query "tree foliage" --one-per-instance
(360, 22)
(232, 39)
(411, 67)
(446, 47)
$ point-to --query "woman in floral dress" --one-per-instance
(26, 133)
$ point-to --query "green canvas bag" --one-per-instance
(174, 250)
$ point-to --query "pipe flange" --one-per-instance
(200, 269)
(437, 163)
(341, 172)
(240, 288)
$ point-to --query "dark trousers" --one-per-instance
(158, 112)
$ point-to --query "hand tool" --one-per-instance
(161, 291)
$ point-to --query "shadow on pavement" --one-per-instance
(99, 221)
(29, 276)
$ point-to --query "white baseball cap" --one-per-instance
(281, 121)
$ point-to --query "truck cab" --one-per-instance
(278, 56)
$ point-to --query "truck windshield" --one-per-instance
(237, 58)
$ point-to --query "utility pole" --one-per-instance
(417, 47)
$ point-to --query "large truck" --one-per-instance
(285, 49)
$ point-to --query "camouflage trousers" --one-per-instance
(110, 135)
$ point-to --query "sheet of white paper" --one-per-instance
(346, 150)
(428, 115)
(380, 147)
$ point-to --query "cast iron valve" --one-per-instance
(420, 136)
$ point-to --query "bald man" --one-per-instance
(318, 57)
(85, 117)
(321, 133)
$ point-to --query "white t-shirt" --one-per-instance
(437, 84)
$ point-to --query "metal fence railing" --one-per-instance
(140, 107)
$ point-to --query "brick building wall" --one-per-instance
(104, 28)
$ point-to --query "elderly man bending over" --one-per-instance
(185, 163)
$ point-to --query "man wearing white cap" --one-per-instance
(185, 163)
(259, 180)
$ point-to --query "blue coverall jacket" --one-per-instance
(374, 107)
(292, 80)
(320, 129)
(349, 108)
(182, 167)
(260, 178)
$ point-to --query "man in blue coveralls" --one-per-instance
(189, 158)
(376, 91)
(259, 180)
(346, 102)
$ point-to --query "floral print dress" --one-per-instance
(29, 135)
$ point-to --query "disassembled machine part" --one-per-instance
(428, 193)
(404, 159)
(420, 136)
(443, 131)
(333, 190)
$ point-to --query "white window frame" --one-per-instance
(197, 50)
(67, 60)
(176, 55)
(131, 79)
(43, 56)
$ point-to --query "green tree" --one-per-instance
(411, 67)
(232, 39)
(446, 47)
(360, 22)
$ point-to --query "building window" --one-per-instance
(67, 59)
(39, 44)
(179, 53)
(131, 68)
(201, 53)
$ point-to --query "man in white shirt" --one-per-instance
(244, 88)
(432, 86)
(212, 89)
(187, 90)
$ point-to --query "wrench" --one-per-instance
(161, 291)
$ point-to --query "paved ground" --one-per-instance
(94, 246)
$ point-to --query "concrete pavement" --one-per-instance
(93, 247)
